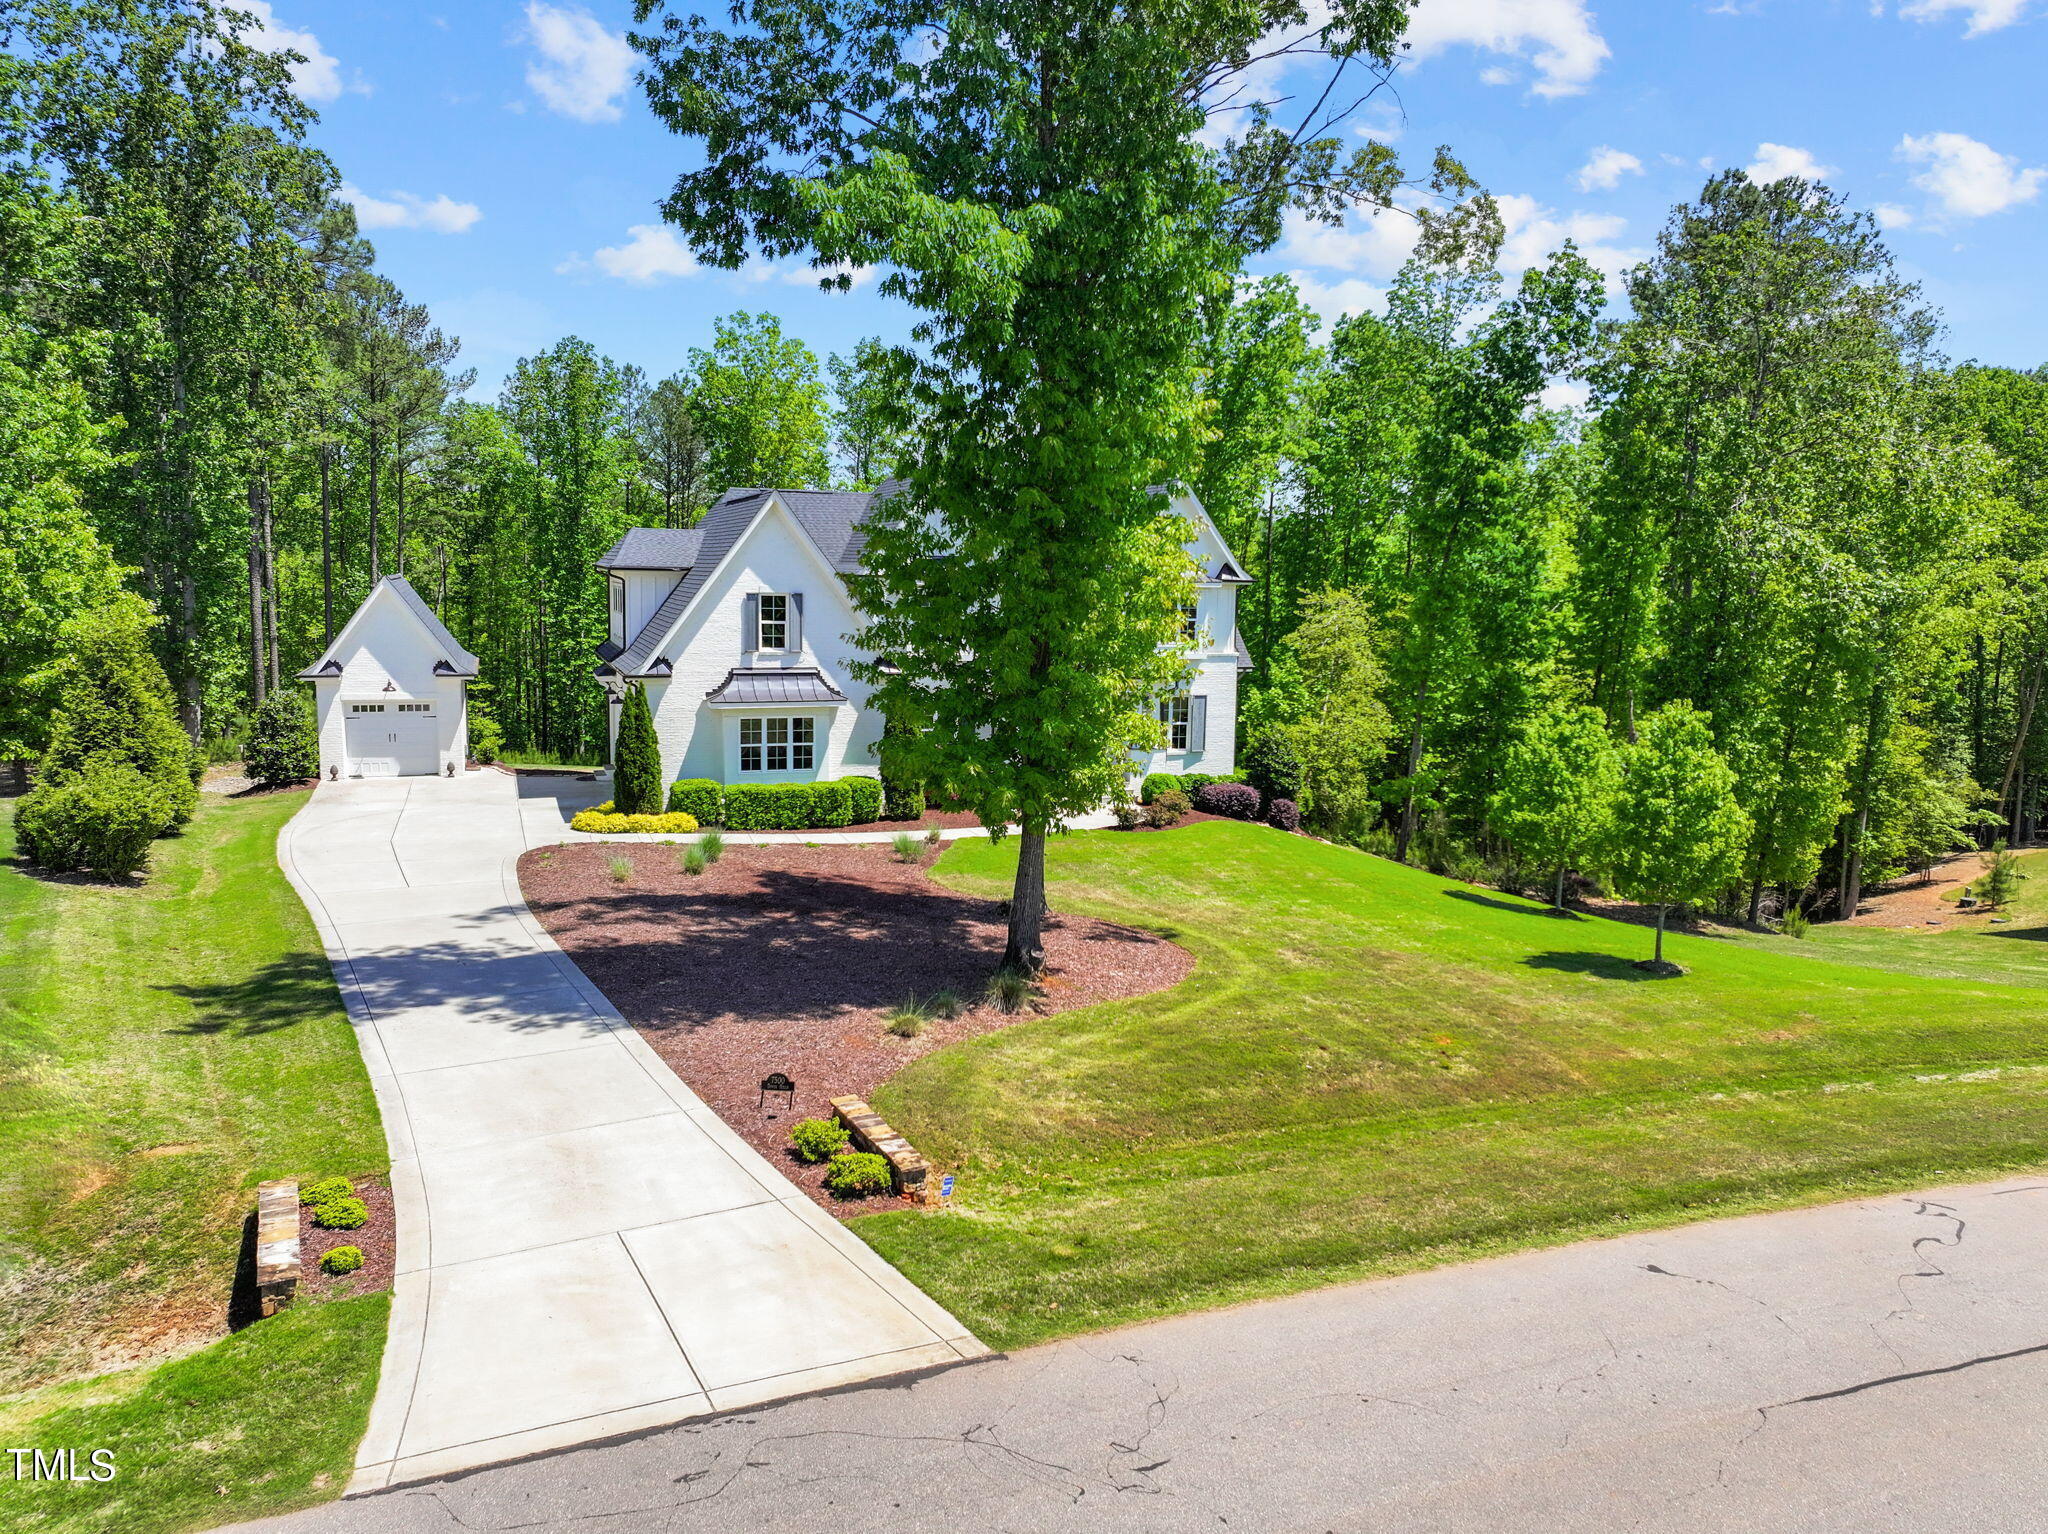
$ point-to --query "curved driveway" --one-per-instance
(584, 1249)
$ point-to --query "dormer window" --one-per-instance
(774, 622)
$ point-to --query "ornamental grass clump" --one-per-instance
(712, 845)
(858, 1174)
(692, 861)
(621, 870)
(904, 845)
(1010, 989)
(342, 1259)
(908, 1020)
(818, 1140)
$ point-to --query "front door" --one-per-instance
(393, 739)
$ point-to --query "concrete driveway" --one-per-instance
(583, 1248)
(1871, 1366)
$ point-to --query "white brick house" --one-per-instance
(737, 629)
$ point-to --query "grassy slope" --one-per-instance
(1373, 1069)
(2012, 952)
(163, 1049)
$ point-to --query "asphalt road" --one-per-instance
(1871, 1366)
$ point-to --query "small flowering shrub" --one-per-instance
(1236, 800)
(1166, 808)
(819, 1139)
(1285, 814)
(605, 823)
(858, 1174)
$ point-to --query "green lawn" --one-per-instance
(1373, 1069)
(163, 1049)
(2011, 952)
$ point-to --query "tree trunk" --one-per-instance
(2030, 693)
(376, 569)
(270, 580)
(1407, 833)
(257, 673)
(1025, 952)
(326, 549)
(398, 508)
(1660, 932)
(1557, 896)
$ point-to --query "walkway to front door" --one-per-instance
(584, 1249)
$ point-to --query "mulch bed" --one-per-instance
(377, 1238)
(788, 958)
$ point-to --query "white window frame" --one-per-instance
(1190, 623)
(780, 743)
(1177, 713)
(618, 606)
(763, 623)
(366, 708)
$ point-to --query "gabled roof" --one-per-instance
(653, 548)
(830, 518)
(453, 659)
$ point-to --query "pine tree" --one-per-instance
(636, 771)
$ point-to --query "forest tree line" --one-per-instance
(1778, 503)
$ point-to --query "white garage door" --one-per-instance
(393, 740)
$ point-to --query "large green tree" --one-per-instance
(757, 398)
(1677, 832)
(1031, 177)
(1556, 793)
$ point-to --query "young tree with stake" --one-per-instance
(1678, 834)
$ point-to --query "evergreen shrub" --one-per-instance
(701, 797)
(636, 760)
(100, 821)
(858, 1174)
(283, 745)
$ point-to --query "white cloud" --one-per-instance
(1375, 243)
(406, 210)
(1557, 36)
(319, 78)
(1985, 15)
(651, 253)
(1774, 162)
(1605, 167)
(1564, 395)
(1333, 300)
(1891, 216)
(1495, 74)
(582, 69)
(1969, 179)
(1534, 232)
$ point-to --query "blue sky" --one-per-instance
(509, 173)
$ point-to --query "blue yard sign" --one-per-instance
(946, 1186)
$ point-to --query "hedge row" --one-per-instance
(605, 822)
(778, 806)
(1182, 782)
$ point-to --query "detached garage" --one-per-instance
(392, 691)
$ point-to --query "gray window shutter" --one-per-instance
(750, 623)
(1198, 723)
(795, 643)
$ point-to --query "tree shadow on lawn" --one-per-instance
(281, 994)
(798, 945)
(1520, 909)
(1604, 965)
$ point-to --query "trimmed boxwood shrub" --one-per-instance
(342, 1259)
(326, 1188)
(1236, 800)
(819, 1139)
(858, 1174)
(786, 806)
(702, 797)
(341, 1214)
(1285, 814)
(1155, 784)
(831, 804)
(101, 821)
(863, 799)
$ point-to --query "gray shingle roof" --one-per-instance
(1244, 656)
(778, 686)
(456, 660)
(653, 548)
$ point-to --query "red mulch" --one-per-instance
(377, 1238)
(788, 958)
